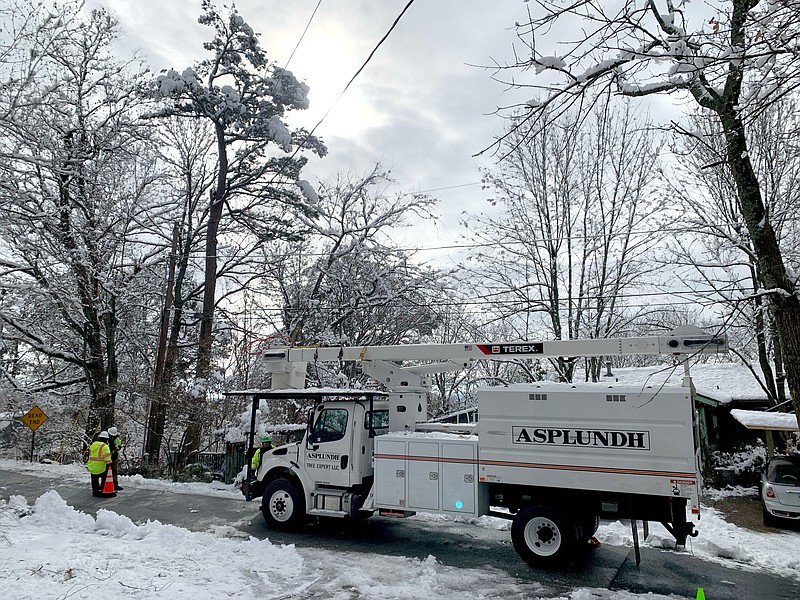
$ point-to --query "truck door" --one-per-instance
(329, 447)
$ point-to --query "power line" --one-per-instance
(478, 305)
(363, 66)
(487, 300)
(346, 87)
(439, 189)
(503, 243)
(311, 18)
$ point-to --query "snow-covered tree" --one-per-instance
(184, 150)
(244, 99)
(735, 58)
(571, 227)
(347, 282)
(75, 170)
(712, 246)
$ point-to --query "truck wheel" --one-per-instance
(543, 536)
(283, 505)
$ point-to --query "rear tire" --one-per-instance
(283, 505)
(544, 537)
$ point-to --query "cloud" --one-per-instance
(419, 106)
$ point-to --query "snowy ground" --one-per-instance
(50, 550)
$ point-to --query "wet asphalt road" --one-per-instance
(454, 544)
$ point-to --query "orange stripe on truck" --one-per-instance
(495, 463)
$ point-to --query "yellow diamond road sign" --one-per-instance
(34, 418)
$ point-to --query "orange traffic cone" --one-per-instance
(108, 485)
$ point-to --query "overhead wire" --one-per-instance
(443, 188)
(303, 35)
(456, 186)
(361, 68)
(484, 300)
(504, 243)
(441, 306)
(346, 87)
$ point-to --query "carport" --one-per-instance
(768, 421)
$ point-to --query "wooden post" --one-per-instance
(770, 445)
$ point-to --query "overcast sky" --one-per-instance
(419, 107)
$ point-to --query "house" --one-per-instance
(720, 387)
(466, 415)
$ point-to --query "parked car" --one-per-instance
(780, 490)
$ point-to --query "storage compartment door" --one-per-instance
(459, 478)
(423, 475)
(390, 473)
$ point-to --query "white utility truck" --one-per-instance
(554, 458)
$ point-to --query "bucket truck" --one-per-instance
(554, 458)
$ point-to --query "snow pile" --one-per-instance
(78, 473)
(215, 488)
(53, 551)
(47, 469)
(50, 550)
(484, 521)
(733, 491)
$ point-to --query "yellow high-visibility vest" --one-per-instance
(99, 457)
(255, 462)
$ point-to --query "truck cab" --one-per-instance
(329, 472)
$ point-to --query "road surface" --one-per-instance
(457, 544)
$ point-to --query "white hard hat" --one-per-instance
(112, 430)
(103, 434)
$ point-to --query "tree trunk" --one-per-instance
(162, 380)
(761, 340)
(194, 426)
(784, 302)
(101, 403)
(777, 359)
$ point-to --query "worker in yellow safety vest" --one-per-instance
(266, 445)
(99, 462)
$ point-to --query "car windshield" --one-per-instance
(784, 470)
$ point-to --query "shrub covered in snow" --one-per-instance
(742, 467)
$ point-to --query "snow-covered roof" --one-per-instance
(722, 382)
(759, 419)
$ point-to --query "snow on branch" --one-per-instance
(38, 344)
(745, 53)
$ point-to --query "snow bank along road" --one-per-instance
(758, 566)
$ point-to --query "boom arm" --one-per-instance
(682, 341)
(410, 384)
